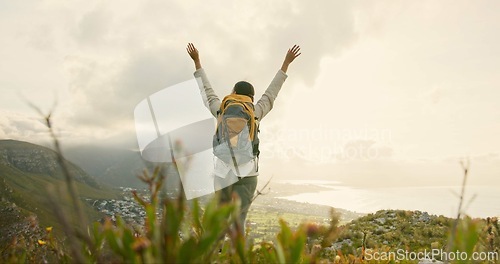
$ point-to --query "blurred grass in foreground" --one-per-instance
(178, 232)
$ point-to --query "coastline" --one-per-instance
(480, 200)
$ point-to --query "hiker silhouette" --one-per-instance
(235, 142)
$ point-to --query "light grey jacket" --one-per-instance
(262, 108)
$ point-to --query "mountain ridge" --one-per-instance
(35, 159)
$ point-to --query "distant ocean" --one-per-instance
(480, 201)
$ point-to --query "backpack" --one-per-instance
(236, 137)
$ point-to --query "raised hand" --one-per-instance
(291, 54)
(194, 54)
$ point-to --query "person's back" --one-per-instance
(236, 139)
(233, 175)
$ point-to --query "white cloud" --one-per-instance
(93, 27)
(114, 57)
(22, 127)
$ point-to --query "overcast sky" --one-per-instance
(404, 80)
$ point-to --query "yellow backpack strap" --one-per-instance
(249, 110)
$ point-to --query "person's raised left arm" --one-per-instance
(210, 99)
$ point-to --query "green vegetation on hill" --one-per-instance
(26, 172)
(412, 230)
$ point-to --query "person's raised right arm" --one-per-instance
(266, 102)
(210, 99)
(292, 53)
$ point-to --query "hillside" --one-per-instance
(37, 160)
(26, 171)
(413, 230)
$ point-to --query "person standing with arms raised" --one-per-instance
(236, 140)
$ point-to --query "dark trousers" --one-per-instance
(244, 188)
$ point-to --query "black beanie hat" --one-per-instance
(244, 88)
